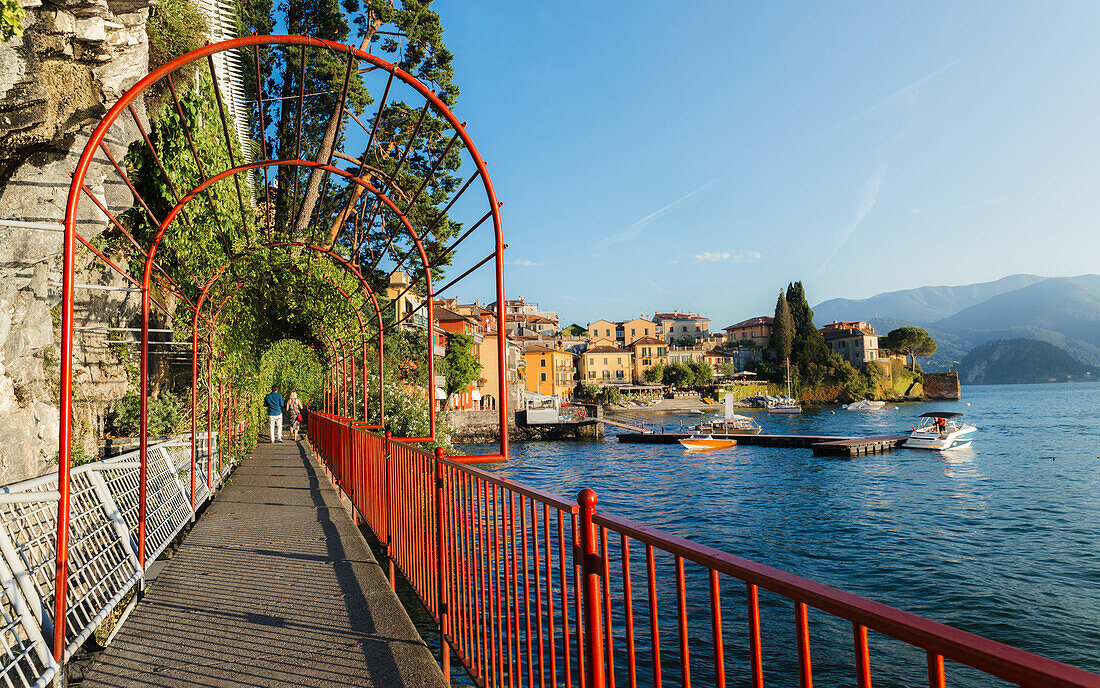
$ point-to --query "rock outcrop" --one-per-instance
(56, 81)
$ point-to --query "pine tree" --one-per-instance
(782, 329)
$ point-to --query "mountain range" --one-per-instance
(1064, 311)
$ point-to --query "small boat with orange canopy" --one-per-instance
(698, 442)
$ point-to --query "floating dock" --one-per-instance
(822, 445)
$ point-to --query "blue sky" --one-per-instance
(701, 155)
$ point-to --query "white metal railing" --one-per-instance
(103, 560)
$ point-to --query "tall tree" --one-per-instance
(808, 347)
(460, 365)
(782, 329)
(911, 342)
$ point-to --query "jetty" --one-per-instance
(822, 445)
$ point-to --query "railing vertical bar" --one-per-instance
(498, 640)
(681, 608)
(805, 666)
(628, 614)
(863, 656)
(716, 631)
(564, 602)
(654, 619)
(579, 630)
(609, 656)
(511, 599)
(755, 652)
(537, 565)
(936, 675)
(527, 588)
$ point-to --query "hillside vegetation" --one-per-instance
(1007, 361)
(1063, 311)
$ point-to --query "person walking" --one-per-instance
(274, 403)
(294, 406)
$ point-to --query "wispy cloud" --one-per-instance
(634, 229)
(868, 198)
(524, 263)
(713, 256)
(656, 286)
(719, 256)
(909, 91)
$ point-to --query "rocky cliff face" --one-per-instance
(56, 82)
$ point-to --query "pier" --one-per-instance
(822, 445)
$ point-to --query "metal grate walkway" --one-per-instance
(273, 587)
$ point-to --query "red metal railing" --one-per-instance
(530, 589)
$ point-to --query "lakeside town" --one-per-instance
(671, 354)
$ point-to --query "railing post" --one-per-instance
(389, 500)
(591, 568)
(441, 563)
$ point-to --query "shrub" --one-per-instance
(124, 419)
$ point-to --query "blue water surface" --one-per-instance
(1002, 539)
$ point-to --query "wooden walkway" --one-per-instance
(274, 586)
(822, 445)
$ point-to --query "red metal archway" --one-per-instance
(383, 204)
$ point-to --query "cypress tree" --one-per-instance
(782, 329)
(807, 345)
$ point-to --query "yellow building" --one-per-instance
(620, 333)
(602, 333)
(549, 371)
(633, 330)
(647, 352)
(604, 365)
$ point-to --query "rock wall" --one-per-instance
(942, 386)
(56, 82)
(484, 426)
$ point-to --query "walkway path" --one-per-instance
(273, 587)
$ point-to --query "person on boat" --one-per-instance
(941, 425)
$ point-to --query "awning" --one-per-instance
(440, 395)
(475, 395)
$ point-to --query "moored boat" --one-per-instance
(697, 442)
(864, 405)
(735, 425)
(941, 431)
(731, 423)
(788, 405)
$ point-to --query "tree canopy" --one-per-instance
(912, 342)
(782, 329)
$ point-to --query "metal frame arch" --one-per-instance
(251, 252)
(96, 140)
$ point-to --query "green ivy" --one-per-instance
(11, 18)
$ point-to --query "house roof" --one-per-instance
(605, 350)
(442, 314)
(539, 349)
(647, 341)
(752, 322)
(838, 331)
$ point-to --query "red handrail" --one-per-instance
(489, 558)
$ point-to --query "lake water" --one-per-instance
(1002, 539)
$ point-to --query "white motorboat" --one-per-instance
(864, 405)
(941, 431)
(788, 405)
(731, 424)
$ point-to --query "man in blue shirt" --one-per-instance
(274, 403)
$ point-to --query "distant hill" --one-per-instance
(1004, 361)
(925, 304)
(1063, 311)
(1060, 310)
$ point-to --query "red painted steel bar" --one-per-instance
(802, 629)
(592, 568)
